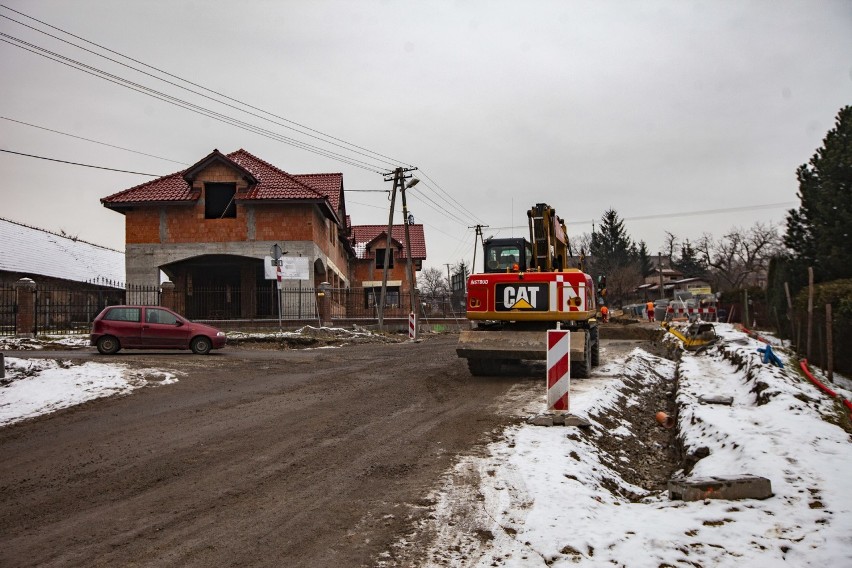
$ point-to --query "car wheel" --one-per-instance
(200, 345)
(107, 345)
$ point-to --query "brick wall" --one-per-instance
(142, 225)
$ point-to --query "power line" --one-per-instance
(93, 141)
(463, 208)
(79, 164)
(79, 66)
(680, 214)
(328, 136)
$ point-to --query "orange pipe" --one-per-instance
(804, 365)
(665, 420)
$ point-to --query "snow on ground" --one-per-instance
(35, 387)
(546, 496)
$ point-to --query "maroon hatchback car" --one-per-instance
(151, 327)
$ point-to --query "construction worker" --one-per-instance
(650, 306)
(604, 314)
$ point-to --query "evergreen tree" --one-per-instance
(610, 245)
(819, 231)
(644, 259)
(615, 256)
(689, 262)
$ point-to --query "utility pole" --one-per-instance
(449, 281)
(479, 237)
(398, 181)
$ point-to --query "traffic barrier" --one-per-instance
(412, 326)
(558, 369)
(687, 312)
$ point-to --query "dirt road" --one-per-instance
(254, 458)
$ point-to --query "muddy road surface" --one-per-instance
(254, 458)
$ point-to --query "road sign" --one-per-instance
(288, 267)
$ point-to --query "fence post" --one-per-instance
(810, 311)
(828, 342)
(167, 295)
(25, 317)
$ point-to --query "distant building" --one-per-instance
(370, 242)
(46, 257)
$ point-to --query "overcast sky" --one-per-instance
(650, 108)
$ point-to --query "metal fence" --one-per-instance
(8, 310)
(60, 309)
(72, 308)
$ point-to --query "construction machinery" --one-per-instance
(697, 337)
(526, 289)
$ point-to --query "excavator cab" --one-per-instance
(507, 255)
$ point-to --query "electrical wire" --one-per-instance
(79, 164)
(462, 207)
(385, 158)
(93, 141)
(679, 214)
(79, 66)
(218, 116)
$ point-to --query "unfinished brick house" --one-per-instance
(369, 242)
(210, 227)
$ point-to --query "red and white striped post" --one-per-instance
(412, 326)
(558, 369)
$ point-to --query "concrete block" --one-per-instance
(720, 487)
(716, 399)
(571, 420)
(542, 420)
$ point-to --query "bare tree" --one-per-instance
(741, 257)
(670, 245)
(432, 282)
(621, 282)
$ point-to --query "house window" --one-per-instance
(380, 258)
(219, 200)
(372, 296)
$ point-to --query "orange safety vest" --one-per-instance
(650, 306)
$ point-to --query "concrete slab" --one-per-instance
(720, 487)
(716, 399)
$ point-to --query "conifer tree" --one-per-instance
(819, 231)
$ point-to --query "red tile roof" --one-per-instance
(330, 185)
(364, 234)
(167, 188)
(272, 184)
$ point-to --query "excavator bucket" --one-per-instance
(512, 345)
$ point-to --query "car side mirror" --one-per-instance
(178, 323)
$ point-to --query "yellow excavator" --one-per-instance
(698, 336)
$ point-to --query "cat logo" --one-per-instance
(522, 297)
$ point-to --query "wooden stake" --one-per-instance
(808, 352)
(828, 341)
(790, 312)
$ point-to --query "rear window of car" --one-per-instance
(123, 314)
(153, 315)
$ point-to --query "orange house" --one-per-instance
(370, 243)
(213, 224)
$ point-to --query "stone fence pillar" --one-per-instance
(324, 303)
(25, 317)
(167, 295)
